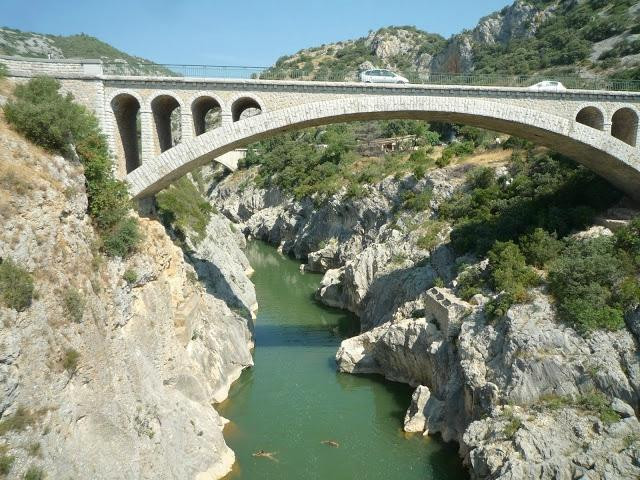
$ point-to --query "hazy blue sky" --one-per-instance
(235, 32)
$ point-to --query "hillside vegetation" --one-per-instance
(29, 44)
(60, 125)
(594, 37)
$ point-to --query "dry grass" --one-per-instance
(22, 169)
(489, 158)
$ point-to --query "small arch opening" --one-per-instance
(624, 126)
(206, 113)
(126, 110)
(167, 119)
(244, 108)
(591, 117)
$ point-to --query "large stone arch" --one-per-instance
(607, 156)
(126, 107)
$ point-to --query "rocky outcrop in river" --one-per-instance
(523, 394)
(113, 370)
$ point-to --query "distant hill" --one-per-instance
(588, 37)
(29, 44)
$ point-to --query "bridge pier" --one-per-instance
(146, 136)
(226, 119)
(186, 120)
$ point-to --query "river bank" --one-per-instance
(293, 399)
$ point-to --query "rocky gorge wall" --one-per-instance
(114, 370)
(499, 388)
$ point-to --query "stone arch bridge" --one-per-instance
(599, 129)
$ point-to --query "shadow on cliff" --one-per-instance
(207, 272)
(390, 291)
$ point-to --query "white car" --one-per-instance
(548, 86)
(380, 75)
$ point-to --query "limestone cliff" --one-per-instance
(114, 369)
(467, 370)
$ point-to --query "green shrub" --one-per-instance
(4, 71)
(35, 473)
(73, 302)
(70, 360)
(430, 236)
(130, 276)
(355, 190)
(585, 279)
(594, 402)
(512, 427)
(628, 240)
(517, 143)
(47, 118)
(499, 306)
(548, 192)
(599, 404)
(16, 285)
(471, 282)
(184, 208)
(6, 462)
(509, 272)
(419, 171)
(540, 247)
(455, 150)
(60, 125)
(417, 202)
(509, 275)
(481, 177)
(479, 136)
(123, 238)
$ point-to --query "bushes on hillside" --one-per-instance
(540, 247)
(47, 118)
(593, 286)
(184, 208)
(60, 125)
(16, 285)
(565, 38)
(525, 220)
(549, 192)
(4, 71)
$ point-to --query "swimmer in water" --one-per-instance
(263, 454)
(330, 443)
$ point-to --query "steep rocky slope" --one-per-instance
(30, 44)
(524, 395)
(113, 370)
(557, 36)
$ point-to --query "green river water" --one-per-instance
(293, 399)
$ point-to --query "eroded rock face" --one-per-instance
(568, 443)
(518, 20)
(465, 368)
(221, 264)
(154, 354)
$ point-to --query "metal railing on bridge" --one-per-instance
(271, 73)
